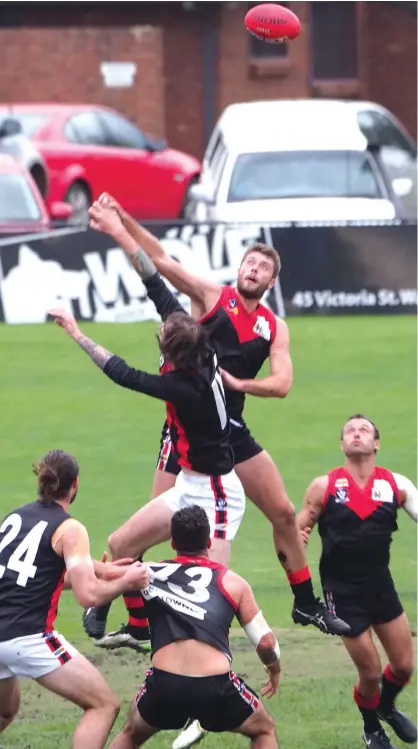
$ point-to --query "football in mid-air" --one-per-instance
(272, 23)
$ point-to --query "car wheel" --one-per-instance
(186, 209)
(78, 196)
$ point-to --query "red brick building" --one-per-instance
(194, 58)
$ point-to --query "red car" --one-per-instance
(22, 209)
(89, 149)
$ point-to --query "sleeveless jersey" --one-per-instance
(241, 339)
(31, 573)
(356, 527)
(187, 601)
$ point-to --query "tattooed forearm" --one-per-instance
(143, 264)
(97, 353)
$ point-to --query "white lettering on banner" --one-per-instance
(35, 285)
(107, 289)
(363, 298)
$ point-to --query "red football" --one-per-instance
(272, 23)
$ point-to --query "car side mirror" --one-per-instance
(402, 186)
(201, 194)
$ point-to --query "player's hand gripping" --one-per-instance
(231, 382)
(112, 570)
(136, 576)
(104, 217)
(272, 685)
(108, 201)
(66, 321)
(305, 532)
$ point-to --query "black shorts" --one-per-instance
(365, 607)
(220, 703)
(243, 444)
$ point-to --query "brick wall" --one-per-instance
(63, 65)
(390, 63)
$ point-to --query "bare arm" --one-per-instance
(409, 495)
(87, 588)
(256, 628)
(132, 237)
(278, 383)
(312, 503)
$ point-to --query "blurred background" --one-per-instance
(167, 71)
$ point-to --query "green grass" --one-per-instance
(51, 395)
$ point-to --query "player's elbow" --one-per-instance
(265, 648)
(283, 387)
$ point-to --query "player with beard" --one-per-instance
(356, 507)
(42, 550)
(244, 334)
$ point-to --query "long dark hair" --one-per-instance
(56, 473)
(183, 341)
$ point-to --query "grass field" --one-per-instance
(51, 395)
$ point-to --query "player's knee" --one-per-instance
(114, 543)
(7, 715)
(285, 515)
(370, 678)
(403, 670)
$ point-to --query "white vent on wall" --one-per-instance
(118, 74)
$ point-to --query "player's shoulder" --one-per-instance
(395, 480)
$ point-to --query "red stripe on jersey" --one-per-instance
(249, 325)
(220, 505)
(182, 445)
(224, 591)
(53, 606)
(164, 454)
(200, 561)
(216, 307)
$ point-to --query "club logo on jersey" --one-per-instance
(262, 328)
(340, 483)
(220, 504)
(341, 496)
(382, 491)
(232, 304)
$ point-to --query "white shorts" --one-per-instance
(222, 497)
(34, 656)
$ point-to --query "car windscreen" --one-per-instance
(17, 202)
(303, 174)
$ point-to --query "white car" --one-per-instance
(306, 160)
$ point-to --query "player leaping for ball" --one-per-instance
(195, 399)
(355, 507)
(244, 334)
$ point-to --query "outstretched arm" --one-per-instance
(409, 495)
(278, 383)
(164, 387)
(108, 216)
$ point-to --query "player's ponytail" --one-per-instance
(57, 472)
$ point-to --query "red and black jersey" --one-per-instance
(186, 600)
(31, 573)
(356, 527)
(241, 340)
(196, 411)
